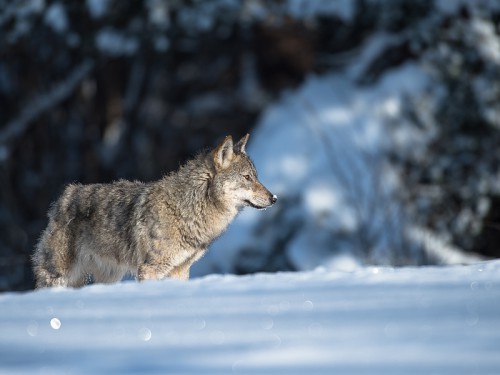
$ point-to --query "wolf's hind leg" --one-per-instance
(51, 260)
(46, 278)
(46, 272)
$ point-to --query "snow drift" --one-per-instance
(375, 320)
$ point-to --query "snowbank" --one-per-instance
(371, 321)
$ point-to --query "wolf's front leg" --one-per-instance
(152, 272)
(180, 272)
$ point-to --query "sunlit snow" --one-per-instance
(373, 320)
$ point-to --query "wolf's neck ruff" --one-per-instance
(188, 192)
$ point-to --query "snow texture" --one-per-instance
(304, 9)
(376, 320)
(116, 43)
(97, 8)
(473, 6)
(55, 17)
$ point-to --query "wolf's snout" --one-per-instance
(274, 198)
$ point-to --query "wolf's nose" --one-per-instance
(274, 199)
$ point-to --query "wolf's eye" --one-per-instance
(246, 177)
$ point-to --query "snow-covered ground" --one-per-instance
(429, 320)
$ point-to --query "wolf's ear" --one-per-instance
(240, 146)
(223, 154)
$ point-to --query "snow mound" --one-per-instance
(375, 320)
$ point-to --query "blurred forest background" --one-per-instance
(97, 90)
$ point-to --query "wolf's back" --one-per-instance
(98, 202)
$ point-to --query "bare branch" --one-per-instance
(32, 110)
(8, 12)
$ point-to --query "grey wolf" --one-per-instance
(151, 230)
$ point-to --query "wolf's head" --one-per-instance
(235, 181)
